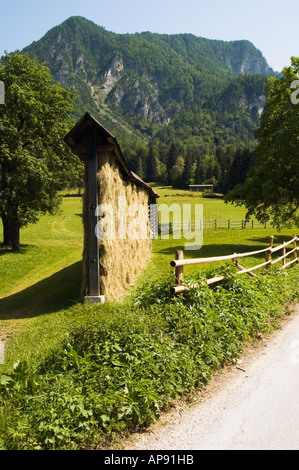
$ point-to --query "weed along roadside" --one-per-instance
(122, 363)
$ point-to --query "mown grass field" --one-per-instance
(46, 274)
(76, 376)
(45, 277)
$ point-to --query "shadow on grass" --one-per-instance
(278, 239)
(57, 292)
(4, 250)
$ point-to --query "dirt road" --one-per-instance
(252, 406)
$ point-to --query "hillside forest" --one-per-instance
(184, 109)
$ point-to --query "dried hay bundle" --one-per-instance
(126, 246)
(121, 258)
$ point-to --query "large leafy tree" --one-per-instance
(34, 161)
(271, 188)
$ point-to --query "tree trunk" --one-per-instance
(11, 233)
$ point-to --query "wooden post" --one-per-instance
(93, 245)
(235, 260)
(295, 254)
(269, 252)
(284, 251)
(241, 268)
(179, 270)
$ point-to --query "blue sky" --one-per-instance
(271, 25)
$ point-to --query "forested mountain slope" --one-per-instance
(161, 88)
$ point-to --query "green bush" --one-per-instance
(119, 369)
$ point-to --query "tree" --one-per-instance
(151, 165)
(34, 161)
(176, 171)
(271, 188)
(187, 173)
(172, 156)
(162, 175)
(140, 168)
(238, 168)
(198, 176)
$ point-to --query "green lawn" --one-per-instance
(213, 208)
(45, 277)
(215, 242)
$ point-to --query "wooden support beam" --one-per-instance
(295, 256)
(284, 252)
(241, 268)
(185, 262)
(269, 251)
(93, 246)
(248, 270)
(179, 271)
(215, 279)
(288, 264)
(106, 148)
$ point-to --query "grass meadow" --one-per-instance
(44, 278)
(77, 376)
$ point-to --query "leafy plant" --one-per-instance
(116, 371)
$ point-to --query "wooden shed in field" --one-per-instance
(198, 188)
(116, 215)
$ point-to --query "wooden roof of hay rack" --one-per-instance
(77, 140)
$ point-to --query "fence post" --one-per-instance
(269, 252)
(235, 260)
(295, 255)
(284, 252)
(179, 270)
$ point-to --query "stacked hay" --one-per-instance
(124, 238)
(122, 256)
(126, 245)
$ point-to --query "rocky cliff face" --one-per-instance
(245, 59)
(152, 78)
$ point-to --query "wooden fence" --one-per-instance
(211, 224)
(180, 262)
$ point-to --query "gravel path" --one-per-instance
(253, 405)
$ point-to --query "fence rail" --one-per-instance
(180, 262)
(212, 224)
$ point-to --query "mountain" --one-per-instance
(158, 88)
